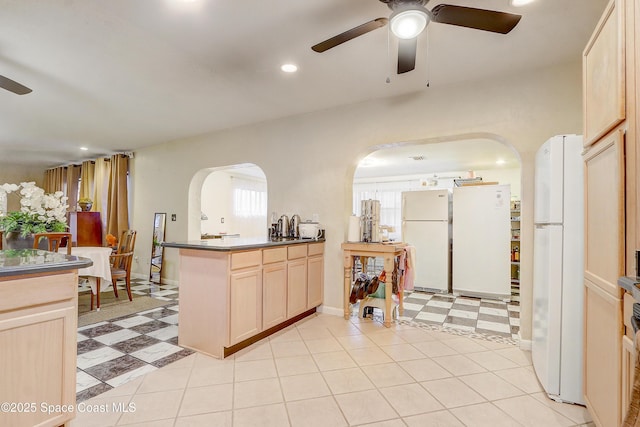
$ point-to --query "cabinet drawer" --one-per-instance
(274, 255)
(36, 290)
(245, 259)
(316, 249)
(297, 251)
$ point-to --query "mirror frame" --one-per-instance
(157, 251)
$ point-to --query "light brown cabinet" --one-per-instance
(245, 306)
(230, 299)
(604, 74)
(296, 287)
(611, 206)
(274, 294)
(38, 323)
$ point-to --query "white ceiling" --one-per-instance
(119, 75)
(437, 158)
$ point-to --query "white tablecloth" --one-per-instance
(101, 267)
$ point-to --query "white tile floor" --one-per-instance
(327, 371)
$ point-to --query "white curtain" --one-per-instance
(390, 196)
(249, 206)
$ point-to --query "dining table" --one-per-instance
(99, 274)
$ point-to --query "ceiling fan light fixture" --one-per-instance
(408, 23)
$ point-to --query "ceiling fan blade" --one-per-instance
(350, 34)
(13, 86)
(407, 54)
(479, 19)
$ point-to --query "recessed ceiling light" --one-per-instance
(289, 68)
(518, 3)
(84, 148)
(500, 162)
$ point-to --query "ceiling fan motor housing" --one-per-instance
(404, 4)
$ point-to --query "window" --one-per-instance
(248, 203)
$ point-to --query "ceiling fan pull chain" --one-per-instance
(428, 65)
(388, 55)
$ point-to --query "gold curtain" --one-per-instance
(73, 174)
(118, 198)
(54, 179)
(101, 190)
(87, 182)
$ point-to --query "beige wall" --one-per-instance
(13, 174)
(309, 160)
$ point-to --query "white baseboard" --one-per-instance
(334, 311)
(524, 344)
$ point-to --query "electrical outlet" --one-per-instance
(173, 217)
(222, 220)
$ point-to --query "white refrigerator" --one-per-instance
(482, 241)
(556, 346)
(426, 219)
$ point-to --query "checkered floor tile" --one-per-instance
(479, 316)
(113, 352)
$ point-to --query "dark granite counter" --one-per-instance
(227, 244)
(14, 262)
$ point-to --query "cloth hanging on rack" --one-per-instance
(409, 271)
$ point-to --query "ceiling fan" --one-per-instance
(13, 86)
(410, 18)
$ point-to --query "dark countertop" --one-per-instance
(14, 262)
(227, 244)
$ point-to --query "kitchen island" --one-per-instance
(236, 291)
(38, 322)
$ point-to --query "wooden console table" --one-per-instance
(377, 250)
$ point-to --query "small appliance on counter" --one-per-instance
(293, 226)
(310, 230)
(370, 219)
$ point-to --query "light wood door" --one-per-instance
(245, 309)
(315, 281)
(604, 74)
(604, 212)
(602, 343)
(274, 294)
(604, 263)
(38, 364)
(296, 287)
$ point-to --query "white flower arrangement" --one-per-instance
(39, 212)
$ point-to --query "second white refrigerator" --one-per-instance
(482, 241)
(426, 222)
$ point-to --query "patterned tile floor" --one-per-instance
(114, 352)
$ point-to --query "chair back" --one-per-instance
(126, 244)
(127, 241)
(55, 241)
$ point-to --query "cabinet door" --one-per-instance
(38, 363)
(603, 75)
(604, 263)
(602, 355)
(315, 281)
(296, 287)
(604, 213)
(274, 295)
(245, 308)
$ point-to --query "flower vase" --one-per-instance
(15, 241)
(85, 206)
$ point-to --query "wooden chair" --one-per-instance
(121, 264)
(121, 261)
(55, 240)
